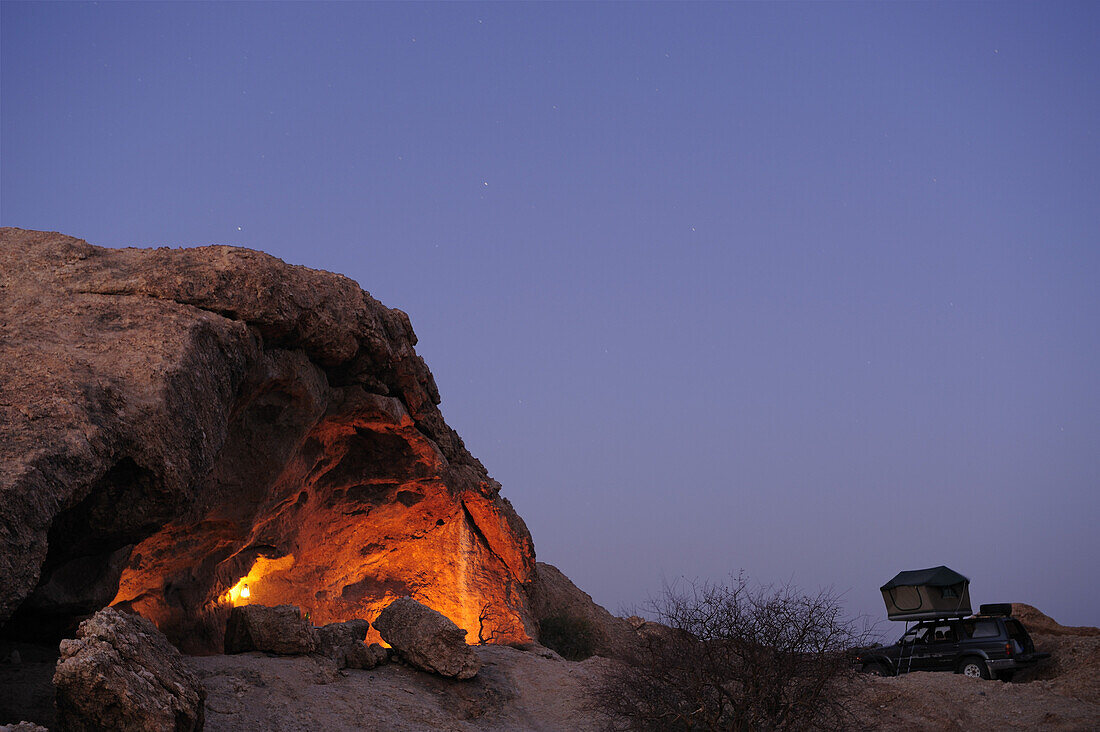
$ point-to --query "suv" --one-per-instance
(989, 645)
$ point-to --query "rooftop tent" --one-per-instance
(924, 594)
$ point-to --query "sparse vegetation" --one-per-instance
(730, 657)
(494, 626)
(571, 637)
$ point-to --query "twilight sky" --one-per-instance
(805, 290)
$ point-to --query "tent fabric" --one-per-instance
(933, 577)
(924, 594)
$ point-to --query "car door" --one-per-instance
(942, 647)
(916, 653)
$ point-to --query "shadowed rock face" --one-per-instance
(177, 424)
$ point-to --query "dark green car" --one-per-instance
(986, 646)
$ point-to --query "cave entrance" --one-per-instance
(89, 545)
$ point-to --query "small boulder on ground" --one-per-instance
(278, 629)
(367, 657)
(343, 643)
(426, 639)
(121, 673)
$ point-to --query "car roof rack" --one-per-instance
(997, 608)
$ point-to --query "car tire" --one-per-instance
(875, 669)
(973, 667)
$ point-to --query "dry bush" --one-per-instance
(494, 626)
(572, 638)
(735, 658)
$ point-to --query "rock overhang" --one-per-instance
(174, 419)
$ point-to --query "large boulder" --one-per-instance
(427, 639)
(121, 673)
(344, 644)
(278, 629)
(176, 421)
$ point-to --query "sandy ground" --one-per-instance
(943, 701)
(515, 690)
(537, 690)
(1062, 693)
(518, 690)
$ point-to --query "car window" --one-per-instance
(918, 634)
(942, 634)
(1016, 631)
(981, 629)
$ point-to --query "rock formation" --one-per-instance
(184, 430)
(554, 597)
(343, 644)
(122, 674)
(426, 639)
(279, 630)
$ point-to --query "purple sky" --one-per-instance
(808, 290)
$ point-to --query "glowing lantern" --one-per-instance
(239, 593)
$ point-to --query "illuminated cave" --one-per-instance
(360, 514)
(191, 421)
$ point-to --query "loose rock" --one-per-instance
(427, 639)
(375, 655)
(343, 643)
(121, 673)
(278, 629)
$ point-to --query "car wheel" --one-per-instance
(875, 669)
(975, 668)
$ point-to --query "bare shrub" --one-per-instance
(728, 657)
(572, 638)
(494, 626)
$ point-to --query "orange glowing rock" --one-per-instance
(362, 513)
(262, 567)
(209, 418)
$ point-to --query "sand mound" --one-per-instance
(1038, 623)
